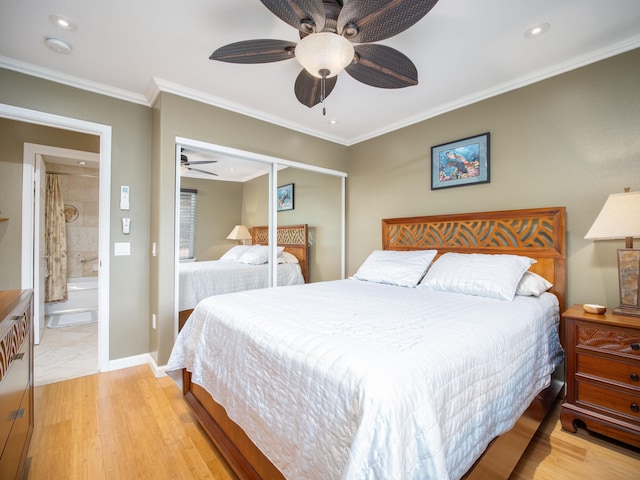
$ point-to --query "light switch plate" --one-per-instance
(121, 248)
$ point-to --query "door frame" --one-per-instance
(104, 132)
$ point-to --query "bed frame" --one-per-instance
(294, 239)
(537, 233)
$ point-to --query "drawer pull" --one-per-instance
(634, 408)
(635, 377)
(635, 346)
(16, 414)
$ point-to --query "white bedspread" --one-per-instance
(357, 380)
(200, 280)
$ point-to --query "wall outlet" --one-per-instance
(153, 321)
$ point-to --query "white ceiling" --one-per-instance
(222, 167)
(464, 50)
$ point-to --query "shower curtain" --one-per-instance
(56, 241)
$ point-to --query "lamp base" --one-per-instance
(629, 278)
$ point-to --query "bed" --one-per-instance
(198, 280)
(395, 398)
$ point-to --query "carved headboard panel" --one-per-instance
(538, 233)
(294, 239)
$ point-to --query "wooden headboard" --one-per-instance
(538, 233)
(294, 239)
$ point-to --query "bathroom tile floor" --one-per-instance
(66, 352)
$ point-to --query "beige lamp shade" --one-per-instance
(324, 51)
(239, 232)
(619, 218)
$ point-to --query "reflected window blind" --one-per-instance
(187, 223)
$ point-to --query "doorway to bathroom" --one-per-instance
(67, 316)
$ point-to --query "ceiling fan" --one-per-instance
(335, 35)
(184, 162)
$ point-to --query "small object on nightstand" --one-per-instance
(593, 308)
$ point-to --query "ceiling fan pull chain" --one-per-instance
(324, 72)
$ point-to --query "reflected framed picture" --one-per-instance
(285, 197)
(459, 163)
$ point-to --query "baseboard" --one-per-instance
(138, 360)
(157, 371)
(127, 362)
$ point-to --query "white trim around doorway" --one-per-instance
(104, 132)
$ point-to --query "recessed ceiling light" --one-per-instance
(333, 122)
(58, 45)
(537, 30)
(63, 22)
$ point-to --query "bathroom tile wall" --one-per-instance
(80, 192)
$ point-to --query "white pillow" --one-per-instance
(235, 253)
(401, 268)
(484, 275)
(287, 257)
(532, 285)
(258, 255)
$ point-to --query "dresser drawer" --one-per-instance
(14, 451)
(12, 387)
(621, 403)
(625, 373)
(608, 339)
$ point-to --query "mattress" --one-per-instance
(359, 380)
(199, 280)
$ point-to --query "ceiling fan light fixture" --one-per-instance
(324, 51)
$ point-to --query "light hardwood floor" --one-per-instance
(127, 424)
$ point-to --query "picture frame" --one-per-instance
(459, 163)
(285, 197)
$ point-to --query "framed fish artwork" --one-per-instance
(459, 163)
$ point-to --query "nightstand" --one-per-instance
(602, 374)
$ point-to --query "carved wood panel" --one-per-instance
(491, 233)
(290, 235)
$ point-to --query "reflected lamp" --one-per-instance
(240, 233)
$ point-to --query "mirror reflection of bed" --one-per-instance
(234, 190)
(387, 369)
(245, 267)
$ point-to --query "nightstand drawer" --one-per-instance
(608, 339)
(621, 403)
(625, 373)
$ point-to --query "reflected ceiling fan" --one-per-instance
(184, 162)
(335, 35)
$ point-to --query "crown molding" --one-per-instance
(71, 81)
(158, 85)
(514, 84)
(198, 96)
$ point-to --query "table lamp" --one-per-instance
(620, 218)
(240, 233)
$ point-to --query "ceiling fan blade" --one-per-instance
(375, 20)
(305, 15)
(255, 51)
(201, 162)
(383, 67)
(202, 171)
(308, 88)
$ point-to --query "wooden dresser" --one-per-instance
(603, 374)
(16, 380)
